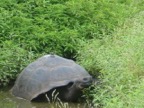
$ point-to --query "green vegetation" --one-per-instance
(43, 26)
(105, 36)
(120, 62)
(13, 59)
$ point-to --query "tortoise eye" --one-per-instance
(85, 79)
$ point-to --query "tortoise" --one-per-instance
(49, 73)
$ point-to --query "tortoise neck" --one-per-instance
(73, 93)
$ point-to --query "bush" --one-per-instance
(120, 63)
(13, 59)
(58, 25)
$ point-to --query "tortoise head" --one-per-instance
(81, 84)
(74, 89)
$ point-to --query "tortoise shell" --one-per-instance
(46, 73)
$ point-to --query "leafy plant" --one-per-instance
(59, 25)
(12, 61)
(120, 62)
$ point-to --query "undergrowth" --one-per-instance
(120, 62)
(54, 26)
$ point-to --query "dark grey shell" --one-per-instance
(46, 73)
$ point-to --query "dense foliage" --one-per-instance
(13, 59)
(83, 29)
(120, 61)
(58, 26)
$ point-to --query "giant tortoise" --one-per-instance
(49, 73)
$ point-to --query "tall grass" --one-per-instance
(120, 62)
